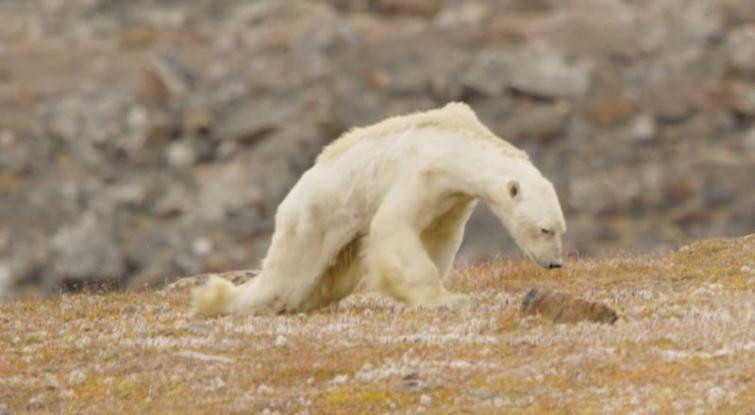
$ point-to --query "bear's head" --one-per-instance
(528, 206)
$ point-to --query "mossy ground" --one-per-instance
(684, 343)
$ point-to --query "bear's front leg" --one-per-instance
(400, 266)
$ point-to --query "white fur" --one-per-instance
(390, 202)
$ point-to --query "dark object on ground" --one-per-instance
(563, 308)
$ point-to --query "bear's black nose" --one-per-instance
(554, 265)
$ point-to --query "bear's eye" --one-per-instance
(546, 231)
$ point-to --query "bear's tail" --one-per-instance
(216, 297)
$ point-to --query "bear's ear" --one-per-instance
(513, 188)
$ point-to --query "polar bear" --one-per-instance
(389, 203)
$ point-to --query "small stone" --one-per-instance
(611, 111)
(425, 400)
(174, 202)
(642, 128)
(196, 121)
(543, 72)
(339, 380)
(131, 194)
(138, 37)
(408, 7)
(249, 122)
(167, 76)
(749, 140)
(462, 14)
(36, 401)
(84, 249)
(7, 138)
(264, 389)
(181, 154)
(76, 377)
(740, 96)
(202, 247)
(483, 76)
(543, 123)
(741, 47)
(280, 341)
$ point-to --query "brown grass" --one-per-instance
(684, 343)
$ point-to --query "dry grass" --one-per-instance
(685, 343)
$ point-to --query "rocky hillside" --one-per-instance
(146, 139)
(683, 343)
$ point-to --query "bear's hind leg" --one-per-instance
(340, 279)
(293, 268)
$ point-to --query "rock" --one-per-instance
(670, 101)
(351, 6)
(280, 341)
(741, 96)
(723, 184)
(738, 11)
(174, 202)
(201, 246)
(467, 13)
(610, 192)
(642, 128)
(180, 154)
(408, 7)
(611, 111)
(681, 189)
(84, 250)
(9, 182)
(486, 75)
(543, 72)
(741, 46)
(196, 121)
(139, 37)
(542, 123)
(748, 140)
(225, 189)
(563, 308)
(250, 121)
(91, 124)
(165, 77)
(339, 380)
(127, 194)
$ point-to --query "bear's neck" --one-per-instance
(483, 171)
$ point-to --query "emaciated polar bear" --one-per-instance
(389, 202)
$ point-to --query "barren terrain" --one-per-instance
(684, 343)
(145, 139)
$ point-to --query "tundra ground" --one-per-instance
(684, 343)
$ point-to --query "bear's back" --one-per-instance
(454, 117)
